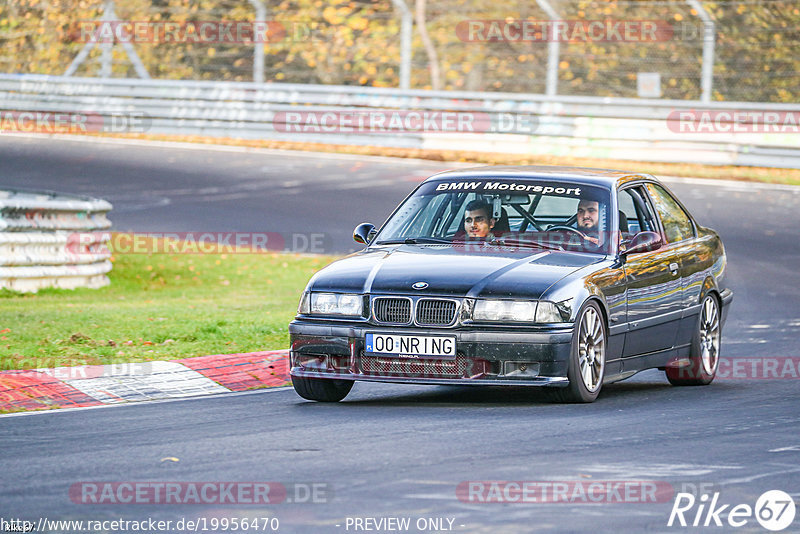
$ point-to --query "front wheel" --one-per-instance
(704, 351)
(587, 360)
(322, 389)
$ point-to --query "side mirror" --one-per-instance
(643, 242)
(364, 233)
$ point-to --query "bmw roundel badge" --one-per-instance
(419, 285)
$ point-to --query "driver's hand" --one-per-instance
(594, 240)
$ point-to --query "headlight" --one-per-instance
(336, 304)
(504, 310)
(304, 308)
(550, 312)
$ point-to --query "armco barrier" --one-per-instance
(38, 248)
(617, 128)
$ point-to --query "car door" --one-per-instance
(681, 232)
(653, 283)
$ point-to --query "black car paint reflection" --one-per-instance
(650, 300)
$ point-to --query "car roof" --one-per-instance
(602, 177)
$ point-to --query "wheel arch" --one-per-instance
(710, 287)
(594, 294)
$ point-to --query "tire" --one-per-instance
(587, 358)
(322, 389)
(704, 350)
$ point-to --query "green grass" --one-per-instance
(158, 307)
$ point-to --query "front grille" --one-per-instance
(392, 310)
(415, 368)
(436, 312)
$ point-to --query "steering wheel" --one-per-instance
(570, 228)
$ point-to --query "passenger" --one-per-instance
(478, 221)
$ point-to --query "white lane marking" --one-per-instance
(730, 185)
(744, 480)
(145, 205)
(148, 403)
(365, 183)
(793, 448)
(633, 471)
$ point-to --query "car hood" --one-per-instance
(448, 271)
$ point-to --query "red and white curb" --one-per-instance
(96, 385)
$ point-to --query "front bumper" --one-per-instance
(727, 299)
(484, 356)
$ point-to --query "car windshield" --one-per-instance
(544, 214)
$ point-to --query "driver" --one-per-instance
(477, 219)
(588, 219)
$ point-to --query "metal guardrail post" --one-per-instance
(406, 21)
(553, 47)
(258, 51)
(709, 42)
(106, 47)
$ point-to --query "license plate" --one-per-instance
(405, 346)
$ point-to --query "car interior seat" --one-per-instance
(623, 223)
(501, 226)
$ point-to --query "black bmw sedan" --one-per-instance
(565, 278)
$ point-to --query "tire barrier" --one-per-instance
(53, 240)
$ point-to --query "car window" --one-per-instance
(449, 217)
(635, 212)
(538, 212)
(677, 225)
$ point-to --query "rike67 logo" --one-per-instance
(774, 510)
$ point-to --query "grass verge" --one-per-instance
(158, 307)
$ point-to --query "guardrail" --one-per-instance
(615, 128)
(52, 240)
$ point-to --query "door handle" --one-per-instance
(673, 268)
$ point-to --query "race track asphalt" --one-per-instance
(402, 451)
